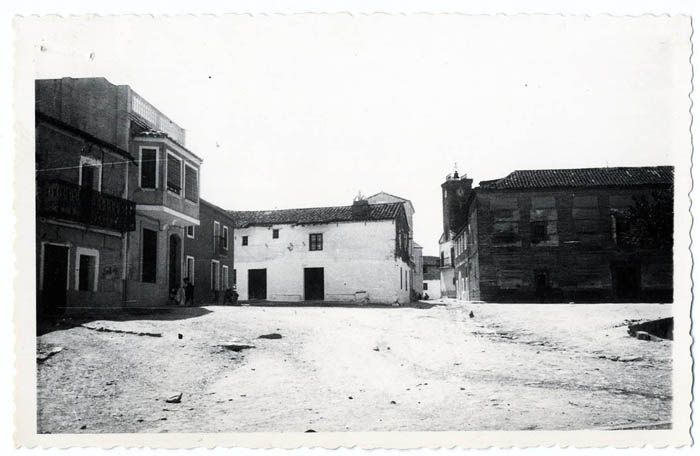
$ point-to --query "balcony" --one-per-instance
(156, 119)
(67, 201)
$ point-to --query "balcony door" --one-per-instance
(174, 255)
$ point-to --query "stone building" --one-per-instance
(209, 252)
(116, 188)
(568, 235)
(357, 253)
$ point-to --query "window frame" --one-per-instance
(187, 231)
(84, 251)
(224, 273)
(94, 163)
(184, 181)
(216, 233)
(224, 235)
(180, 193)
(157, 180)
(314, 244)
(275, 233)
(214, 276)
(187, 261)
(244, 241)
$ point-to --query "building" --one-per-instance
(116, 188)
(416, 277)
(357, 253)
(431, 277)
(209, 253)
(454, 206)
(568, 235)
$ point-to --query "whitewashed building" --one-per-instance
(357, 253)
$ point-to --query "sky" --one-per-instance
(307, 110)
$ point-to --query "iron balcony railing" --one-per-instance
(64, 200)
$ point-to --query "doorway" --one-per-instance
(541, 285)
(55, 279)
(313, 284)
(174, 280)
(626, 282)
(257, 284)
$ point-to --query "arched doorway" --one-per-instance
(174, 255)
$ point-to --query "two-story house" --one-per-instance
(209, 251)
(582, 235)
(357, 253)
(116, 188)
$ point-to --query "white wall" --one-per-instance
(357, 257)
(433, 289)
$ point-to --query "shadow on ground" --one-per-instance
(78, 317)
(413, 305)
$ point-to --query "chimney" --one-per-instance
(360, 207)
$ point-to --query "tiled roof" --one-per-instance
(583, 177)
(314, 215)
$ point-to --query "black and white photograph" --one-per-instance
(340, 225)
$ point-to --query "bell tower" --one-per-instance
(455, 193)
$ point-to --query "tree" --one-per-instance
(648, 222)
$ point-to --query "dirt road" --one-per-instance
(510, 367)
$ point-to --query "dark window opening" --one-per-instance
(244, 240)
(148, 168)
(275, 234)
(316, 241)
(190, 231)
(149, 257)
(86, 272)
(425, 286)
(539, 232)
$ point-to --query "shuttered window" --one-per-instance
(174, 174)
(191, 184)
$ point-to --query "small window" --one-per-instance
(224, 238)
(90, 173)
(316, 241)
(87, 271)
(539, 232)
(189, 269)
(149, 168)
(174, 174)
(275, 234)
(149, 255)
(244, 240)
(425, 286)
(191, 183)
(217, 233)
(190, 231)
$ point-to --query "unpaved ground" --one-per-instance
(359, 369)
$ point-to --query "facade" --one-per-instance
(357, 253)
(416, 278)
(431, 277)
(575, 235)
(115, 189)
(209, 253)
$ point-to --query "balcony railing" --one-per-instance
(64, 200)
(157, 119)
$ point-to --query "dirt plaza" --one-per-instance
(435, 367)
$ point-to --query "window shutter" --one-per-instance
(174, 174)
(191, 184)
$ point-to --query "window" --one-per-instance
(275, 234)
(190, 231)
(425, 285)
(87, 264)
(174, 173)
(149, 255)
(224, 277)
(406, 281)
(401, 278)
(234, 278)
(191, 183)
(214, 275)
(425, 269)
(90, 173)
(316, 241)
(244, 240)
(224, 239)
(217, 233)
(539, 232)
(149, 169)
(189, 268)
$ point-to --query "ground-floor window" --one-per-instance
(87, 263)
(224, 277)
(149, 255)
(214, 275)
(189, 268)
(425, 286)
